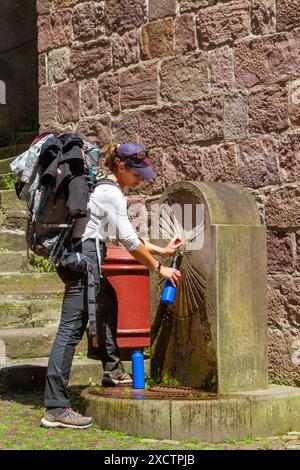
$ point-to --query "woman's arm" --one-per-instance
(141, 254)
(168, 250)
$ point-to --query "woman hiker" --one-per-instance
(129, 165)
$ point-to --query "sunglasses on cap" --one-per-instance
(139, 155)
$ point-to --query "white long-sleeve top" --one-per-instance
(107, 216)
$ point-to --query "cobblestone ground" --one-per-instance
(20, 415)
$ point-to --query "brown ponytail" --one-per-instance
(111, 159)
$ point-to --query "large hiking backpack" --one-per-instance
(56, 176)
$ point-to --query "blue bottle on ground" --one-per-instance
(169, 291)
(138, 370)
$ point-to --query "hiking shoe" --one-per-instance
(68, 419)
(116, 377)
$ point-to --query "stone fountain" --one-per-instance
(208, 349)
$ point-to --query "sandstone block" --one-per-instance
(159, 9)
(58, 63)
(61, 24)
(298, 251)
(289, 158)
(206, 120)
(182, 163)
(109, 93)
(236, 116)
(222, 69)
(125, 49)
(124, 15)
(68, 102)
(164, 126)
(283, 207)
(138, 214)
(294, 105)
(268, 110)
(258, 162)
(47, 105)
(45, 33)
(43, 6)
(288, 14)
(190, 4)
(139, 86)
(42, 70)
(89, 98)
(280, 252)
(263, 19)
(64, 3)
(126, 128)
(157, 39)
(91, 58)
(220, 163)
(223, 23)
(268, 60)
(283, 300)
(185, 33)
(88, 19)
(97, 131)
(283, 354)
(184, 77)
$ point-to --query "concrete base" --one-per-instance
(257, 413)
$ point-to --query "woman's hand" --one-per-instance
(173, 275)
(95, 342)
(172, 246)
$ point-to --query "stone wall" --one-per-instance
(18, 67)
(213, 87)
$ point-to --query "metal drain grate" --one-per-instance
(157, 392)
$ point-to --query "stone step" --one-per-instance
(31, 374)
(12, 151)
(29, 313)
(14, 219)
(12, 240)
(5, 165)
(5, 179)
(9, 200)
(23, 343)
(13, 210)
(11, 261)
(30, 285)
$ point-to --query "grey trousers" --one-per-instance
(74, 318)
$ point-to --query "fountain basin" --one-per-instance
(193, 414)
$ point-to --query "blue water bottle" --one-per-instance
(138, 370)
(169, 291)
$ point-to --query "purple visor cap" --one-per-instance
(136, 156)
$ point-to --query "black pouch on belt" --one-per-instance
(80, 263)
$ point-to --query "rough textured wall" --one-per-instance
(18, 66)
(214, 88)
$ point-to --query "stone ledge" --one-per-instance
(256, 413)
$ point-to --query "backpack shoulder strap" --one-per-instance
(105, 181)
(93, 232)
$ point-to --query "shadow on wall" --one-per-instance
(18, 68)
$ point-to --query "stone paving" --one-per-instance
(20, 429)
